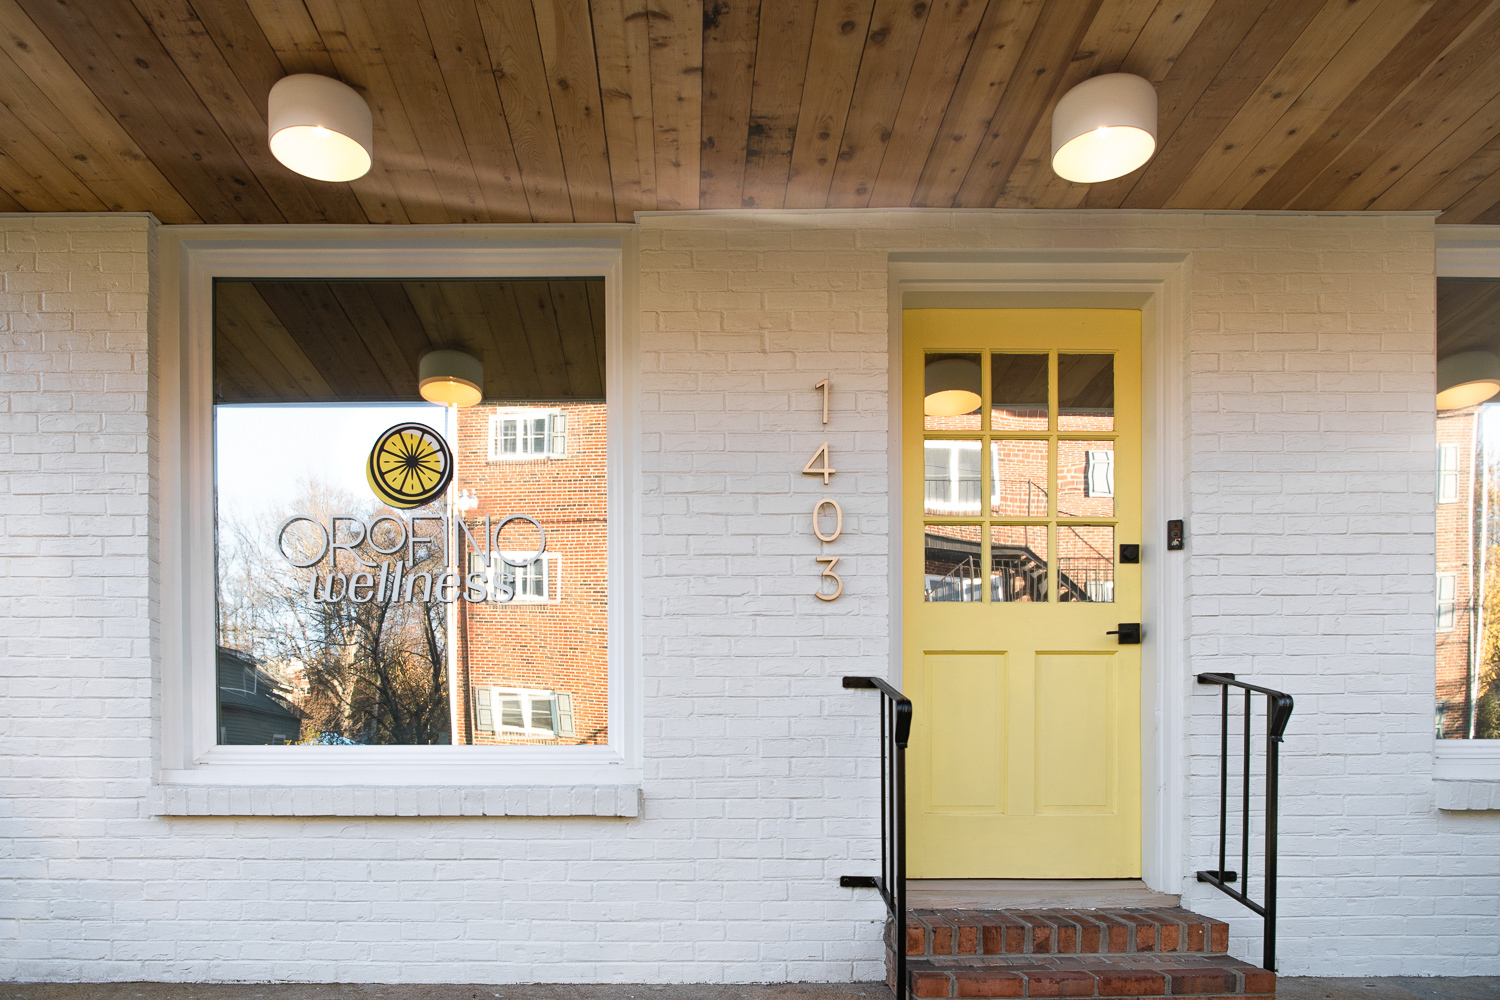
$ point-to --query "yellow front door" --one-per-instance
(1022, 481)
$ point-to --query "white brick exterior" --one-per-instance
(1310, 449)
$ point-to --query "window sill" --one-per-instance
(618, 800)
(1466, 774)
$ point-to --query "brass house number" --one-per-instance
(826, 510)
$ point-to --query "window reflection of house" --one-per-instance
(532, 657)
(253, 705)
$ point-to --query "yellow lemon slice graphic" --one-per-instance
(410, 465)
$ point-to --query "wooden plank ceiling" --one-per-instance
(352, 341)
(592, 110)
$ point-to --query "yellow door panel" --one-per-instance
(967, 691)
(1022, 477)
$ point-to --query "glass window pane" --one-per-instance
(1018, 478)
(951, 396)
(356, 546)
(1018, 386)
(1085, 479)
(951, 569)
(1085, 392)
(1086, 563)
(1018, 562)
(952, 471)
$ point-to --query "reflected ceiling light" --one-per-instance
(451, 378)
(1104, 128)
(1466, 379)
(952, 387)
(320, 128)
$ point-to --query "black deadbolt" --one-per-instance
(1129, 633)
(1130, 553)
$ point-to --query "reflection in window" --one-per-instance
(1018, 478)
(951, 570)
(952, 477)
(1018, 562)
(345, 619)
(1085, 479)
(952, 393)
(1085, 392)
(1018, 385)
(1086, 563)
(1468, 552)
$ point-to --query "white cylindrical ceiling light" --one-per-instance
(320, 128)
(1466, 379)
(452, 378)
(952, 387)
(1104, 128)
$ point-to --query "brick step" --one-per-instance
(1121, 930)
(1118, 976)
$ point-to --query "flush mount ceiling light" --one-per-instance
(320, 128)
(1104, 128)
(1467, 378)
(451, 378)
(952, 387)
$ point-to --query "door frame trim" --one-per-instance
(1156, 283)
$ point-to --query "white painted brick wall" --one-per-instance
(1311, 441)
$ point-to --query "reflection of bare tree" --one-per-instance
(372, 672)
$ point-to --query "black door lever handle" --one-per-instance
(1129, 633)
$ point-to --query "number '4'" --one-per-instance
(825, 470)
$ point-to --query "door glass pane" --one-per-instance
(1018, 386)
(952, 472)
(1086, 563)
(1018, 562)
(951, 396)
(1085, 479)
(951, 570)
(1018, 478)
(1085, 392)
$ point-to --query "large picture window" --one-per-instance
(389, 571)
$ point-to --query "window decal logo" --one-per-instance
(409, 466)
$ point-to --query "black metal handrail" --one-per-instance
(1278, 714)
(895, 731)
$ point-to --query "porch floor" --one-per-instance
(1287, 988)
(1031, 893)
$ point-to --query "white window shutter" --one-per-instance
(1447, 473)
(558, 435)
(1099, 473)
(564, 711)
(484, 716)
(1447, 601)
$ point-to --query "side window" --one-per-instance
(1447, 600)
(1099, 474)
(528, 434)
(525, 713)
(1447, 473)
(538, 582)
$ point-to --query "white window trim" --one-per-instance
(528, 413)
(195, 775)
(1466, 772)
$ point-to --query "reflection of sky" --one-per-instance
(264, 451)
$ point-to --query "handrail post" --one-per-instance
(895, 732)
(1278, 713)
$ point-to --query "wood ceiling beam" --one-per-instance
(781, 54)
(985, 77)
(896, 31)
(729, 31)
(948, 37)
(134, 77)
(515, 53)
(1037, 79)
(1419, 48)
(468, 75)
(841, 32)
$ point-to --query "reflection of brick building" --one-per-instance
(1456, 431)
(534, 667)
